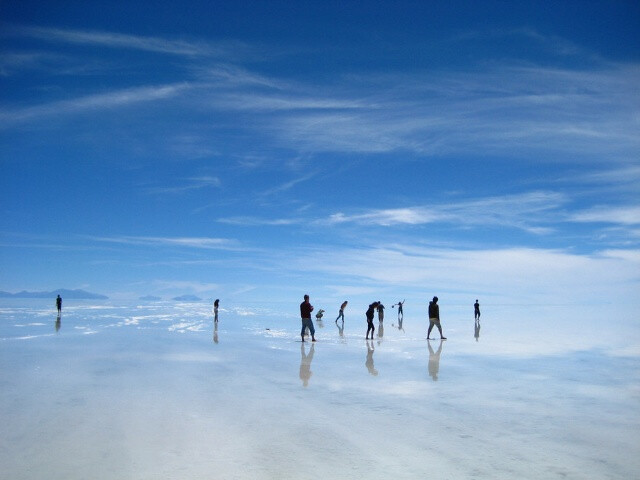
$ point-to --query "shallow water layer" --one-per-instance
(157, 391)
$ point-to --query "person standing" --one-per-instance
(215, 310)
(341, 312)
(370, 314)
(434, 318)
(380, 312)
(59, 304)
(400, 312)
(476, 310)
(305, 314)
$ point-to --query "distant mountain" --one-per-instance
(64, 293)
(187, 298)
(150, 298)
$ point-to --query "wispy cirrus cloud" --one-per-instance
(532, 212)
(98, 101)
(189, 184)
(623, 215)
(189, 242)
(117, 40)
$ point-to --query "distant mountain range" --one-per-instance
(150, 298)
(73, 294)
(187, 298)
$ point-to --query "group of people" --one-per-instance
(434, 316)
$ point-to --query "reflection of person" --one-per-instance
(59, 304)
(369, 361)
(215, 332)
(305, 364)
(476, 330)
(215, 310)
(434, 318)
(58, 323)
(434, 361)
(305, 314)
(400, 313)
(476, 310)
(380, 331)
(370, 313)
(380, 312)
(341, 312)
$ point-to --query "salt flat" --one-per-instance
(155, 391)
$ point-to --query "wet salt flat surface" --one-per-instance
(154, 391)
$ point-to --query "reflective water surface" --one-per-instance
(158, 391)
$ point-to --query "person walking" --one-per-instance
(59, 304)
(370, 314)
(434, 318)
(305, 314)
(476, 310)
(341, 312)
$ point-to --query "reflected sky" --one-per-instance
(160, 391)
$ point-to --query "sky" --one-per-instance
(256, 151)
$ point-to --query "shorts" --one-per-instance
(434, 321)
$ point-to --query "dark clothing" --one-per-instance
(305, 309)
(370, 312)
(434, 310)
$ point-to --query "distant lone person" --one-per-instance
(370, 314)
(215, 310)
(400, 312)
(341, 312)
(380, 312)
(305, 314)
(476, 310)
(434, 318)
(59, 304)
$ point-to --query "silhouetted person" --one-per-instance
(305, 314)
(319, 314)
(215, 332)
(476, 310)
(434, 318)
(369, 361)
(341, 312)
(305, 365)
(216, 304)
(370, 313)
(380, 312)
(476, 330)
(434, 361)
(400, 312)
(59, 304)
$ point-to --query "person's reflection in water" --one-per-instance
(434, 360)
(400, 320)
(305, 364)
(476, 330)
(58, 323)
(369, 362)
(380, 332)
(215, 332)
(340, 326)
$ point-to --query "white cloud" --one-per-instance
(99, 101)
(525, 211)
(190, 242)
(624, 215)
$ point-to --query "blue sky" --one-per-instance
(255, 151)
